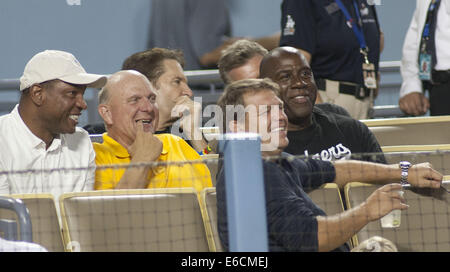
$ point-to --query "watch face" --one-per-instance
(405, 164)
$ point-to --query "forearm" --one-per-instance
(368, 172)
(134, 178)
(269, 42)
(334, 231)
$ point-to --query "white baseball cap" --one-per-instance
(55, 64)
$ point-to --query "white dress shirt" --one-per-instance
(21, 150)
(17, 246)
(409, 66)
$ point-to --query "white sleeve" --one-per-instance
(409, 68)
(4, 183)
(90, 175)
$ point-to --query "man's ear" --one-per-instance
(105, 113)
(37, 94)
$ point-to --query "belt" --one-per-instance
(356, 90)
(440, 77)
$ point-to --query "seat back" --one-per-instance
(411, 131)
(14, 216)
(437, 155)
(212, 162)
(134, 220)
(45, 220)
(328, 198)
(209, 205)
(425, 225)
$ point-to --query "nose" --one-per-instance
(298, 80)
(146, 105)
(186, 90)
(81, 103)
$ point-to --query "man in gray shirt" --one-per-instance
(199, 28)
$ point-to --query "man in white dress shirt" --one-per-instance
(426, 60)
(40, 133)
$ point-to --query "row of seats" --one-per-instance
(178, 219)
(396, 131)
(411, 130)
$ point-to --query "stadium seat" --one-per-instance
(328, 198)
(212, 161)
(208, 202)
(15, 221)
(437, 155)
(150, 220)
(45, 221)
(411, 130)
(425, 225)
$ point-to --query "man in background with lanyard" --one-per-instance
(342, 41)
(426, 60)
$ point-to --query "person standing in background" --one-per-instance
(342, 41)
(426, 60)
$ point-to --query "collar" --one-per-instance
(120, 151)
(31, 139)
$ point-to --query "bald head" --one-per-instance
(119, 80)
(127, 99)
(275, 56)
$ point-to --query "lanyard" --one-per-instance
(358, 31)
(426, 29)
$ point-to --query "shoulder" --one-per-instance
(342, 121)
(328, 107)
(5, 121)
(170, 138)
(177, 145)
(77, 141)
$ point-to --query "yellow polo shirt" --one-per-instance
(175, 149)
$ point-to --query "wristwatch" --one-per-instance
(404, 166)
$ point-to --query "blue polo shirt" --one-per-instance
(291, 213)
(320, 27)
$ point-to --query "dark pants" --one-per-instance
(440, 99)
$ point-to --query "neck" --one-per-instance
(266, 154)
(36, 125)
(122, 140)
(164, 122)
(306, 123)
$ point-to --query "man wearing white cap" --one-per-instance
(40, 135)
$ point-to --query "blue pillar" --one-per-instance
(244, 183)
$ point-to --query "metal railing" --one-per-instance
(209, 85)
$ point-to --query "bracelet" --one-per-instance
(205, 151)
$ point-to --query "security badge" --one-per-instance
(425, 66)
(369, 75)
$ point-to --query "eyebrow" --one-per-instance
(135, 96)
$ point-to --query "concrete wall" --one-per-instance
(102, 33)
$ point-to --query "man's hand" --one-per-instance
(423, 175)
(146, 147)
(414, 104)
(189, 113)
(384, 200)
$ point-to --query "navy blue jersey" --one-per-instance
(320, 28)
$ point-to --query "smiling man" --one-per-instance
(41, 134)
(294, 221)
(313, 131)
(128, 107)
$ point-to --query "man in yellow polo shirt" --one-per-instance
(128, 108)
